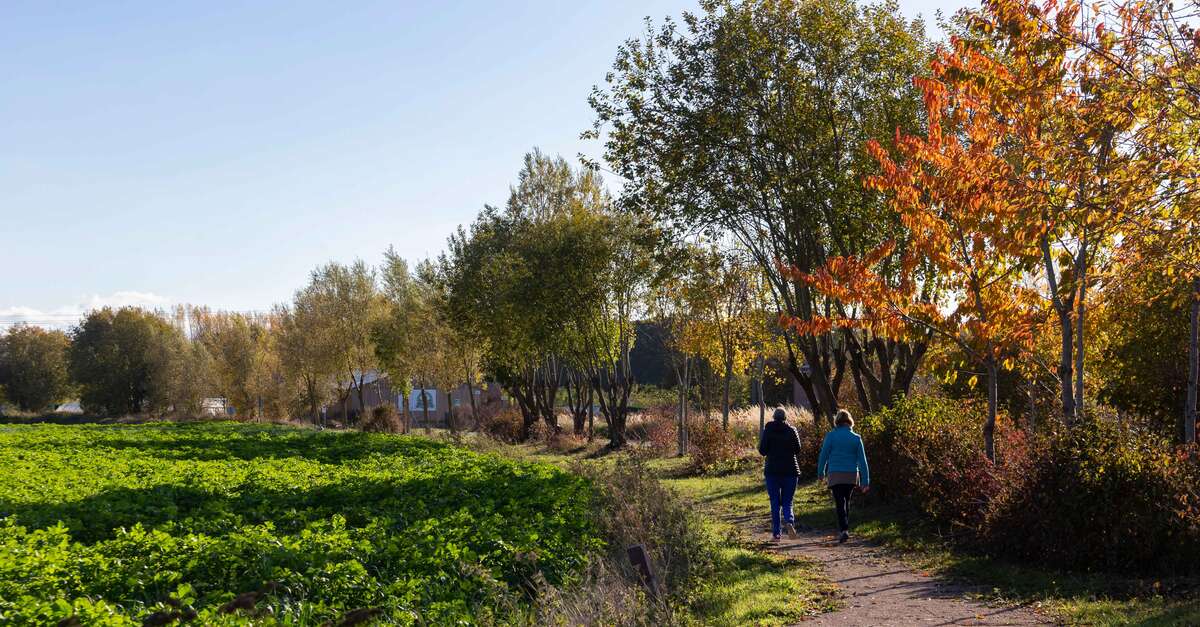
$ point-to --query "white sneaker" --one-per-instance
(790, 529)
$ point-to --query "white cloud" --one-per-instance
(125, 299)
(68, 315)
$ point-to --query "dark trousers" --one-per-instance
(780, 489)
(841, 502)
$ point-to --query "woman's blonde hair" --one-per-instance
(844, 418)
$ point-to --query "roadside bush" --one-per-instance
(811, 436)
(660, 430)
(1098, 496)
(500, 423)
(930, 449)
(1103, 496)
(383, 419)
(632, 507)
(714, 449)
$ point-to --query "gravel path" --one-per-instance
(881, 590)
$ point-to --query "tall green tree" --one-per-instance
(750, 118)
(396, 331)
(239, 344)
(125, 361)
(520, 277)
(33, 367)
(613, 278)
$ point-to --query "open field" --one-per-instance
(114, 523)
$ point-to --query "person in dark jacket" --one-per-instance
(780, 445)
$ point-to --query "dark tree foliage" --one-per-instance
(33, 367)
(1146, 356)
(125, 361)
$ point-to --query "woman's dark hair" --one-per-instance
(779, 414)
(844, 418)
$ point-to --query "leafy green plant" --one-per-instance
(110, 523)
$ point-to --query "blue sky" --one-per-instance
(215, 152)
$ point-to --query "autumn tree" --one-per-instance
(731, 329)
(1164, 75)
(306, 352)
(1081, 139)
(239, 346)
(347, 302)
(749, 118)
(669, 305)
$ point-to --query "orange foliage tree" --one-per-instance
(1043, 148)
(962, 270)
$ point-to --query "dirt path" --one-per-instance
(880, 590)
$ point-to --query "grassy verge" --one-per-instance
(1073, 598)
(1078, 599)
(751, 586)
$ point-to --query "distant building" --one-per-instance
(418, 404)
(217, 407)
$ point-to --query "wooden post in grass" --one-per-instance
(641, 561)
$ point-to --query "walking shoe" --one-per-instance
(774, 538)
(790, 529)
(842, 538)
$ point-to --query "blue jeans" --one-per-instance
(781, 489)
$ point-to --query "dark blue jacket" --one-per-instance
(780, 444)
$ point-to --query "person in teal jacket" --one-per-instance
(843, 460)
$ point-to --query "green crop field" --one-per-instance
(112, 524)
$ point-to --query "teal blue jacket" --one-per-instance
(842, 451)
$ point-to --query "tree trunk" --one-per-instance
(1081, 309)
(989, 427)
(1189, 422)
(591, 429)
(762, 401)
(683, 406)
(471, 396)
(725, 395)
(1064, 310)
(1065, 368)
(425, 409)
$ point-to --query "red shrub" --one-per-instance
(1097, 496)
(501, 423)
(1102, 496)
(713, 448)
(659, 430)
(383, 419)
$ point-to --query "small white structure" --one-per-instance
(217, 407)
